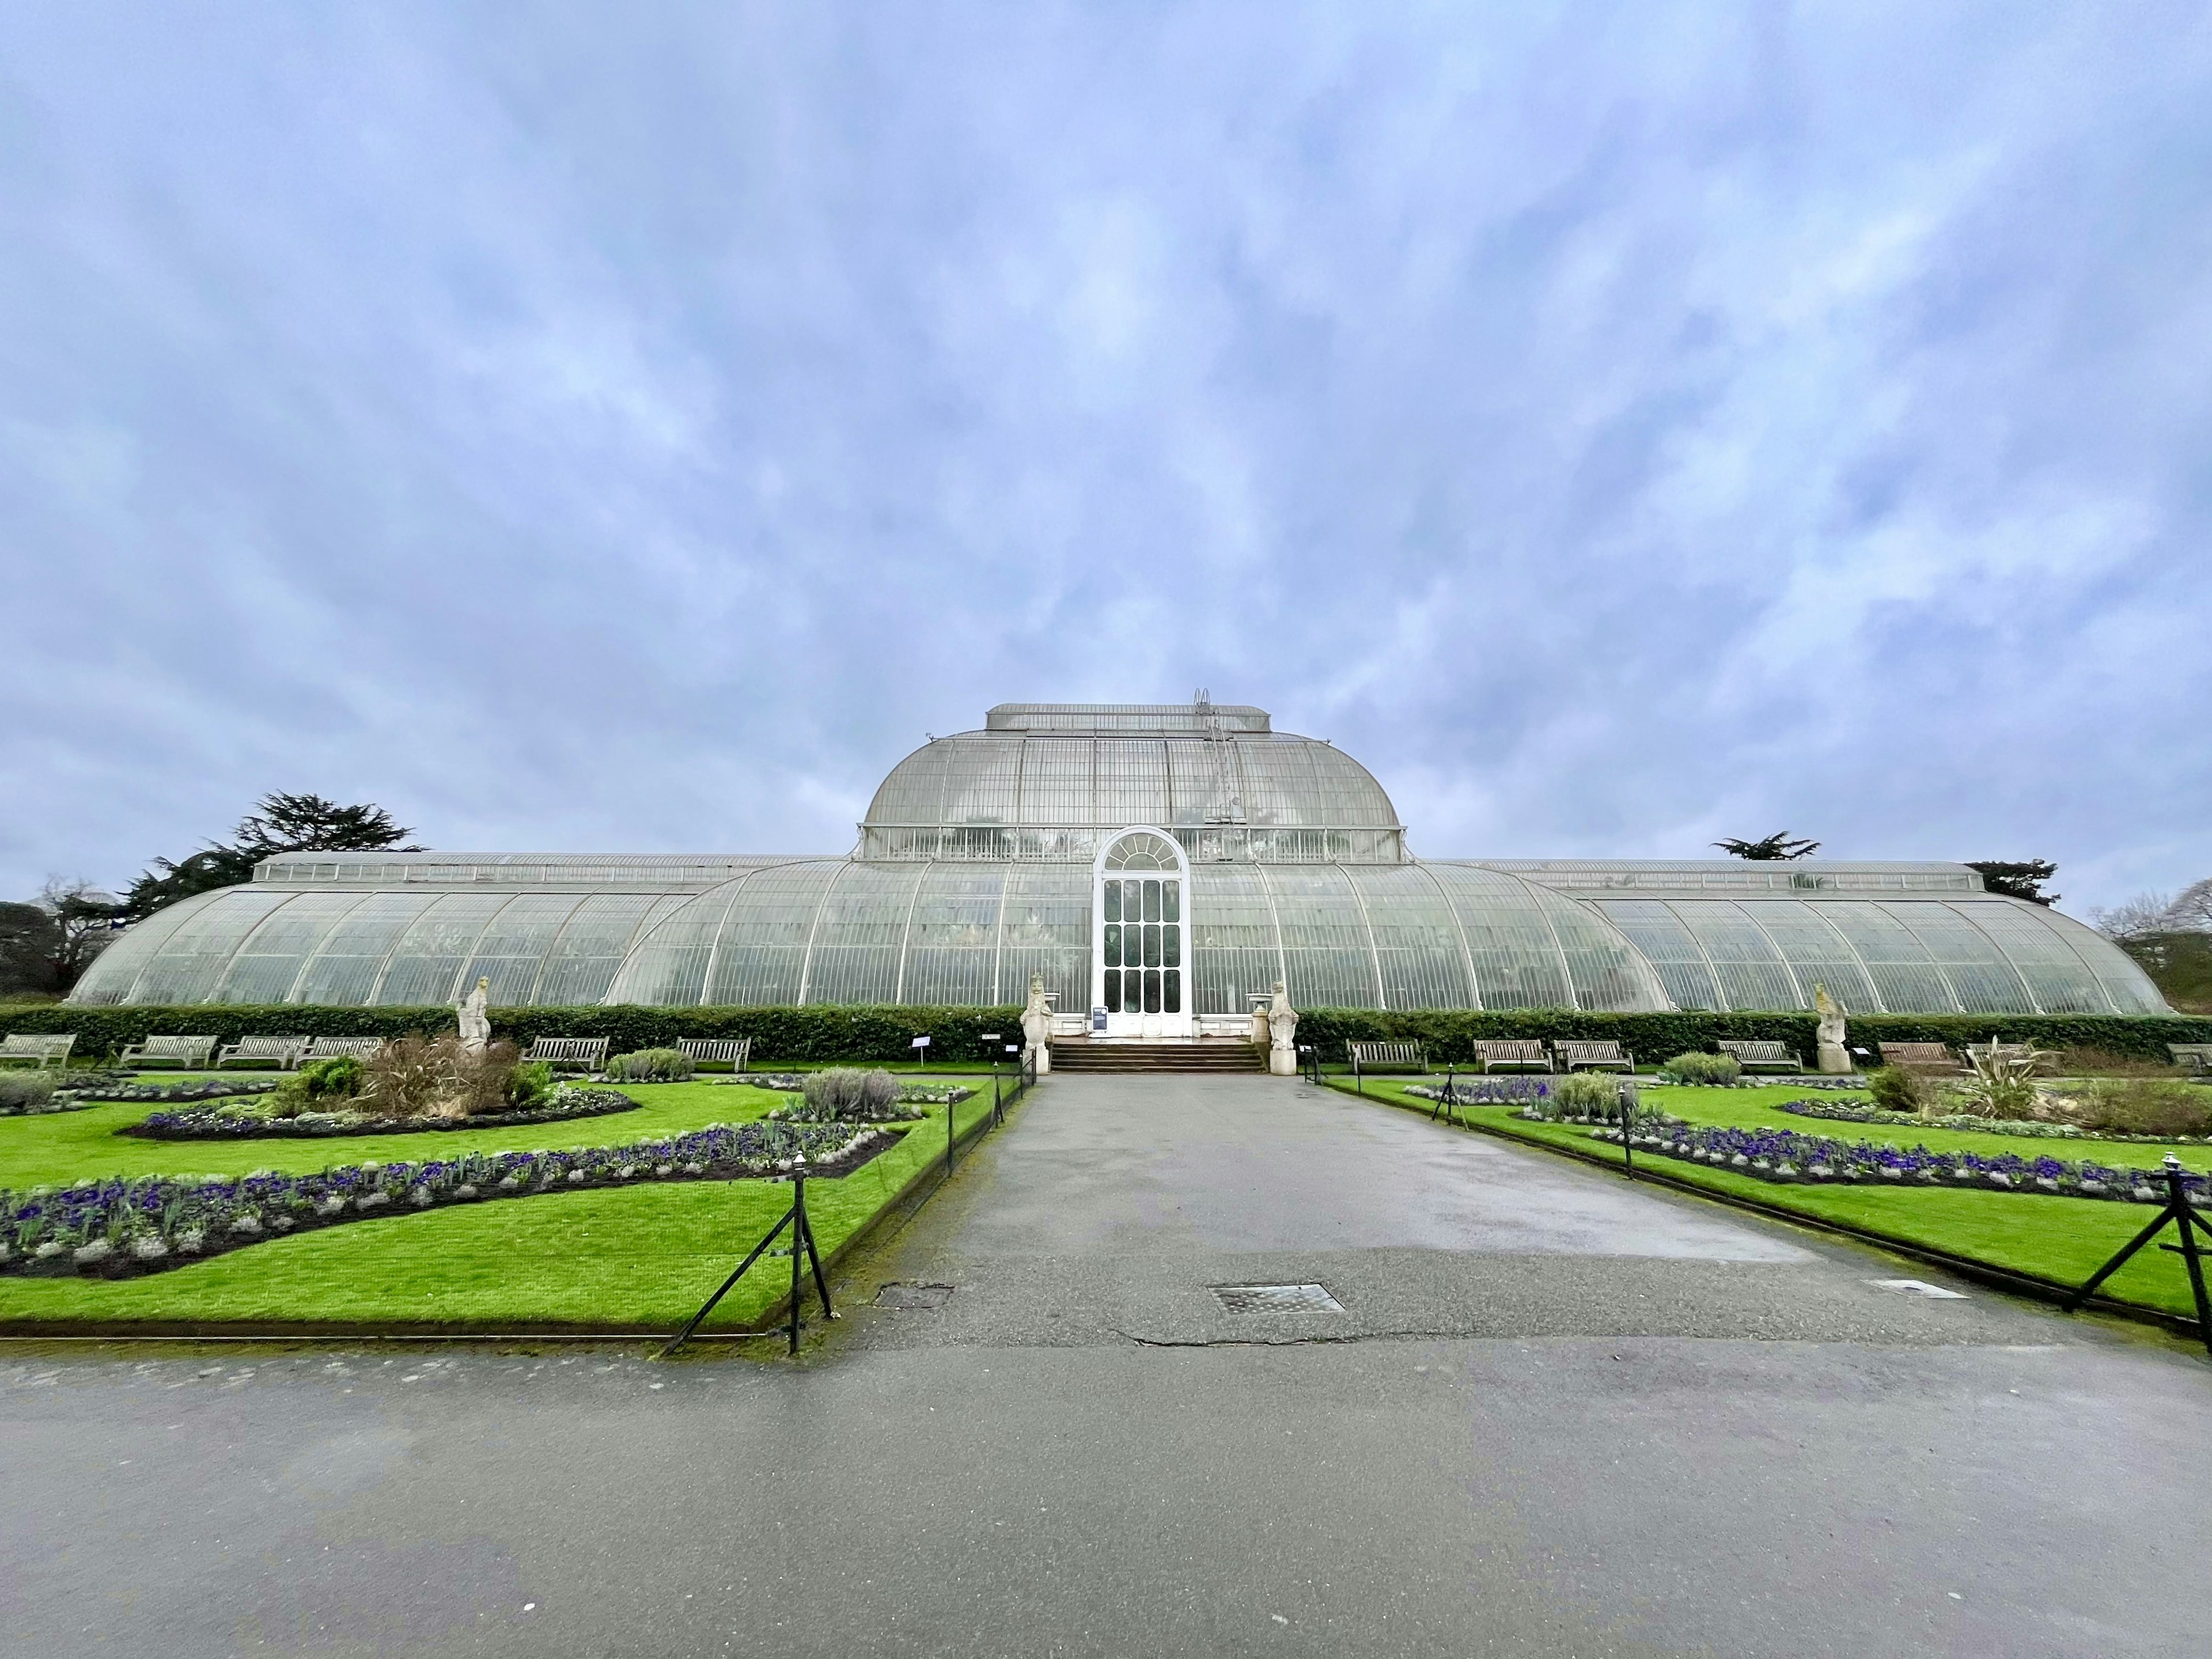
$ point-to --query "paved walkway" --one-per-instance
(1557, 1415)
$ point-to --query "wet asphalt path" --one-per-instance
(1556, 1415)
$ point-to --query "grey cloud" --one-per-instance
(1617, 426)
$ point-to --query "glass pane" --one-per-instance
(1151, 901)
(1171, 991)
(1113, 901)
(1171, 945)
(1112, 954)
(1111, 990)
(1171, 897)
(1152, 944)
(1153, 992)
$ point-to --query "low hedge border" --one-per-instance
(1448, 1036)
(838, 1032)
(823, 1032)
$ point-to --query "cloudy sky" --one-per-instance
(588, 428)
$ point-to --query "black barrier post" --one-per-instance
(2184, 1218)
(802, 1241)
(1448, 1102)
(948, 1132)
(1623, 1095)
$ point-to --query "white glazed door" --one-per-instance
(1141, 973)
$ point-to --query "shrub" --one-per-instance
(2145, 1106)
(847, 1094)
(23, 1091)
(1895, 1088)
(1588, 1094)
(2103, 1062)
(530, 1087)
(2001, 1082)
(1696, 1067)
(651, 1066)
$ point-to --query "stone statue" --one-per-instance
(1037, 1026)
(1282, 1035)
(1835, 1057)
(475, 1018)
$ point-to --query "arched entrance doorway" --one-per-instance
(1139, 918)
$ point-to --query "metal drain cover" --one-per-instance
(912, 1296)
(1276, 1298)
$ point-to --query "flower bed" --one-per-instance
(792, 1082)
(2026, 1128)
(215, 1125)
(1487, 1090)
(123, 1226)
(1787, 1155)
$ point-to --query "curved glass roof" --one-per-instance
(975, 871)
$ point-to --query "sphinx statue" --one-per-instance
(1036, 1027)
(1282, 1034)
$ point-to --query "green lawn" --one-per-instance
(640, 1256)
(60, 1146)
(2063, 1239)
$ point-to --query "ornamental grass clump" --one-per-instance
(25, 1092)
(846, 1094)
(652, 1065)
(421, 1077)
(1714, 1071)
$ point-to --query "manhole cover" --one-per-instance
(1276, 1298)
(912, 1296)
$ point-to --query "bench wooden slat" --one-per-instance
(1494, 1052)
(184, 1051)
(284, 1051)
(1752, 1055)
(2197, 1056)
(1918, 1056)
(736, 1052)
(590, 1053)
(1365, 1056)
(332, 1047)
(47, 1048)
(1594, 1055)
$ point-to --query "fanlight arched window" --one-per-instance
(1142, 851)
(1141, 917)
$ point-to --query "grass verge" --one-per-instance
(2059, 1241)
(621, 1259)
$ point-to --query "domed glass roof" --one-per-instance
(1045, 781)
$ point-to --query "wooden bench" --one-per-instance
(588, 1053)
(1918, 1056)
(333, 1048)
(192, 1052)
(733, 1052)
(1372, 1056)
(1594, 1057)
(262, 1052)
(38, 1047)
(1752, 1055)
(2197, 1056)
(1491, 1052)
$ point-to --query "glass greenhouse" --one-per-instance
(1161, 867)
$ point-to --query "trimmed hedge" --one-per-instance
(1449, 1035)
(819, 1032)
(833, 1032)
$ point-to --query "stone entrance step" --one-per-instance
(1082, 1056)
